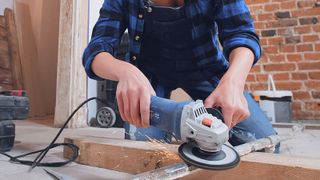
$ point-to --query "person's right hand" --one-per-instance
(134, 93)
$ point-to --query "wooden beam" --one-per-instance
(136, 157)
(71, 78)
(123, 155)
(13, 45)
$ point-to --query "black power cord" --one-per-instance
(43, 152)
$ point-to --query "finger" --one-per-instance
(227, 115)
(135, 109)
(145, 110)
(236, 119)
(153, 93)
(120, 105)
(245, 111)
(126, 108)
(210, 101)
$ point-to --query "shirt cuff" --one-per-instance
(247, 41)
(90, 53)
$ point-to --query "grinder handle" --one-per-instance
(165, 114)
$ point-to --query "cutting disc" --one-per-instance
(226, 158)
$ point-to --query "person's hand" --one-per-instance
(230, 98)
(134, 93)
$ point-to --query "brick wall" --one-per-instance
(290, 38)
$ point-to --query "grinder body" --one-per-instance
(189, 121)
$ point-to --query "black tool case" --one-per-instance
(7, 135)
(14, 107)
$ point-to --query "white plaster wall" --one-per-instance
(94, 7)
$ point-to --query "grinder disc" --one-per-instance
(226, 158)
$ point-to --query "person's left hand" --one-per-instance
(229, 97)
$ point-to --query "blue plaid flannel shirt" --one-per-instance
(226, 21)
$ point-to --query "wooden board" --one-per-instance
(123, 155)
(14, 53)
(264, 166)
(71, 78)
(136, 157)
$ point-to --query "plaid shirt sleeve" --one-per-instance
(236, 28)
(106, 34)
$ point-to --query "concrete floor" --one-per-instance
(30, 136)
(36, 134)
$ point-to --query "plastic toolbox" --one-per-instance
(14, 107)
(7, 135)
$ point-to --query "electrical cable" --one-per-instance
(43, 152)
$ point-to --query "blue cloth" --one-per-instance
(226, 20)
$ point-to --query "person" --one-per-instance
(205, 47)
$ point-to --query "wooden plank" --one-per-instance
(135, 157)
(71, 78)
(264, 166)
(123, 155)
(15, 59)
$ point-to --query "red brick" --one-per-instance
(271, 49)
(262, 77)
(293, 40)
(294, 57)
(265, 16)
(287, 48)
(304, 47)
(288, 5)
(301, 95)
(302, 29)
(312, 85)
(289, 85)
(306, 4)
(303, 115)
(259, 25)
(281, 23)
(249, 2)
(305, 12)
(316, 94)
(310, 38)
(276, 57)
(256, 68)
(299, 76)
(281, 76)
(275, 40)
(258, 86)
(314, 75)
(316, 28)
(296, 106)
(317, 47)
(271, 7)
(313, 106)
(312, 56)
(279, 67)
(263, 42)
(251, 78)
(309, 66)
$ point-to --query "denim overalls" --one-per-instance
(167, 60)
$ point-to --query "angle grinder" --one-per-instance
(201, 130)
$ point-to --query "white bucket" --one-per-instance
(275, 104)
